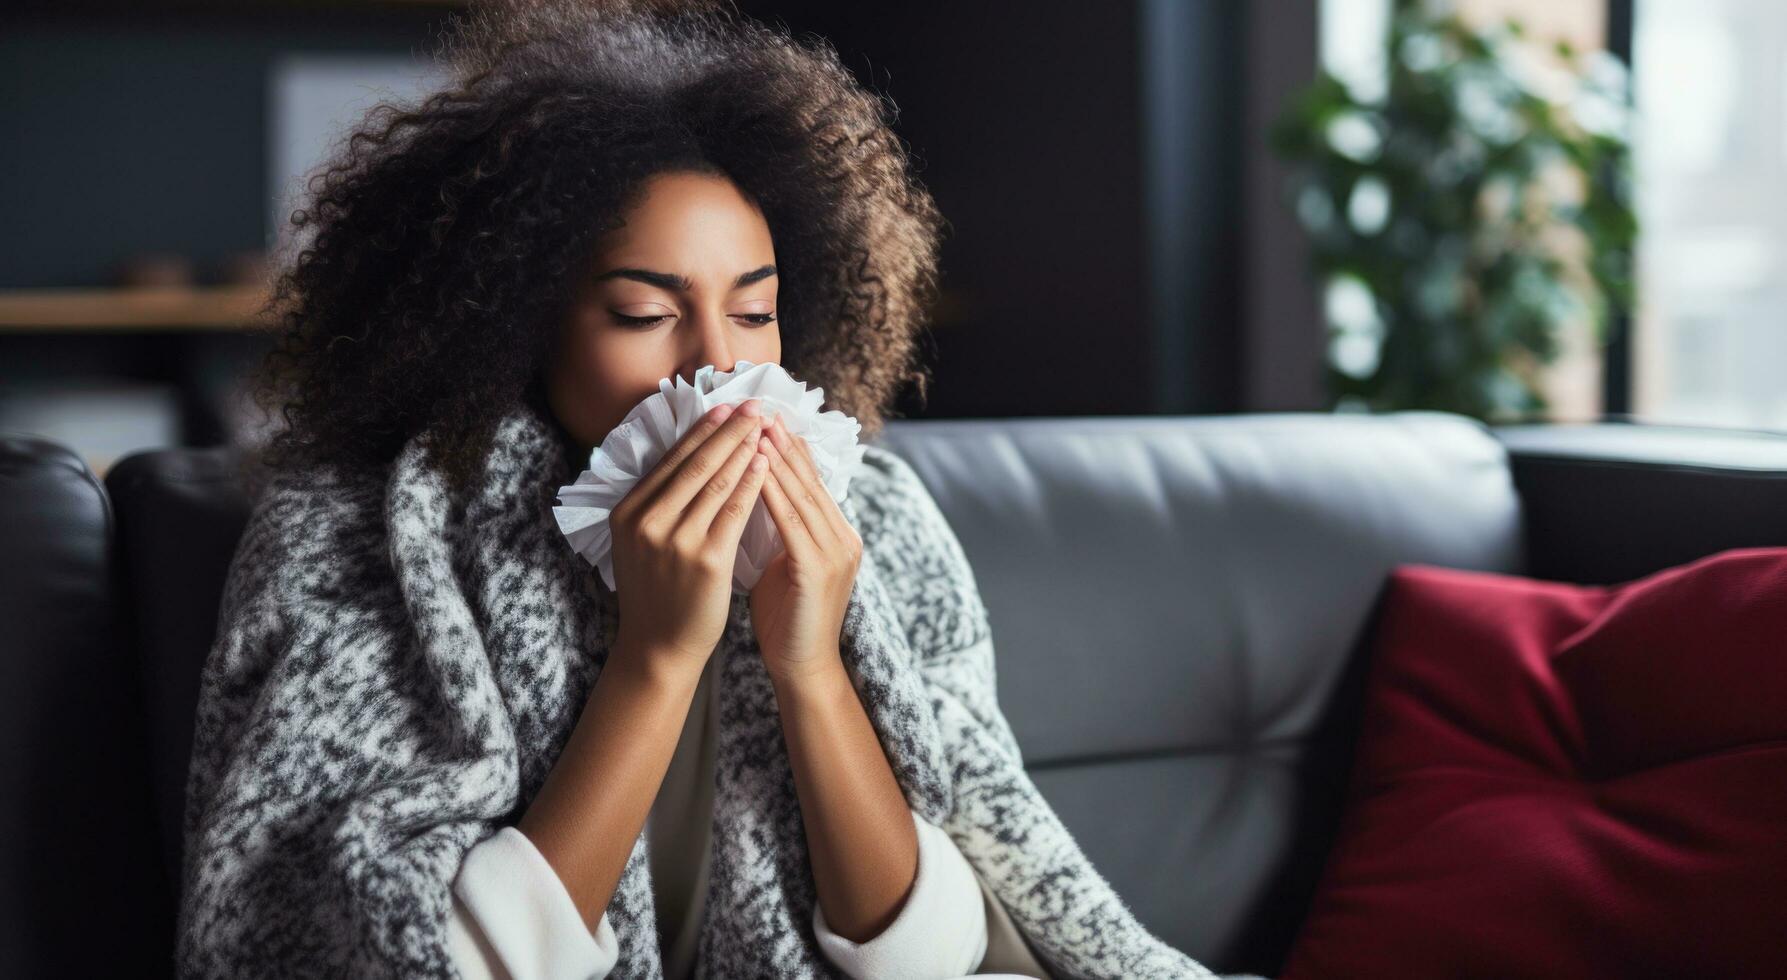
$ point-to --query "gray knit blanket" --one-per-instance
(397, 667)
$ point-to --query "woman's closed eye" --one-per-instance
(760, 319)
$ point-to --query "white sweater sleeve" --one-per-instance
(941, 931)
(513, 919)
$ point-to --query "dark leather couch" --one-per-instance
(1178, 603)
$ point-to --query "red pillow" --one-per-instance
(1564, 781)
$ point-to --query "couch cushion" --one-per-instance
(180, 514)
(1567, 781)
(1206, 577)
(1175, 603)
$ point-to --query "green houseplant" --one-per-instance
(1460, 220)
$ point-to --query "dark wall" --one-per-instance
(129, 131)
(1039, 130)
(1283, 349)
(133, 128)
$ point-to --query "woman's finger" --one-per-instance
(692, 467)
(805, 489)
(800, 458)
(790, 518)
(700, 432)
(698, 516)
(729, 524)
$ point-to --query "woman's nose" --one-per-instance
(712, 345)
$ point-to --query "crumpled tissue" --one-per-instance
(633, 447)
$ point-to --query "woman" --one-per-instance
(430, 742)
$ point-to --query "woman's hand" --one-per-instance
(676, 538)
(797, 607)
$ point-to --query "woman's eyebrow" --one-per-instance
(668, 280)
(755, 275)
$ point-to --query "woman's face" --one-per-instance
(689, 279)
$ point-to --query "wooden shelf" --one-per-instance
(206, 308)
(158, 308)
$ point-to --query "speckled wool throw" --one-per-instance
(396, 671)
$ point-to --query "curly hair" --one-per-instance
(445, 232)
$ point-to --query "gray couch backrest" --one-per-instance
(1176, 605)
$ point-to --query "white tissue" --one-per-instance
(634, 446)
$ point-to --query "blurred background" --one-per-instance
(1520, 210)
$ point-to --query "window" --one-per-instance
(1710, 158)
(1708, 341)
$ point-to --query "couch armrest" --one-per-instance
(1610, 502)
(77, 835)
